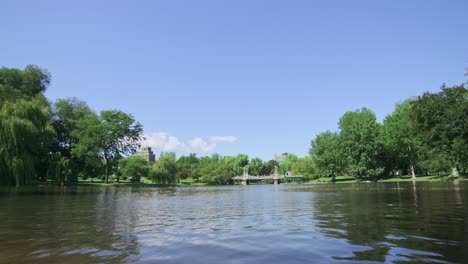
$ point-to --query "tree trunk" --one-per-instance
(412, 162)
(455, 172)
(413, 174)
(107, 168)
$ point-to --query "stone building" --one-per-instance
(281, 158)
(147, 154)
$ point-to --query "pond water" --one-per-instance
(368, 223)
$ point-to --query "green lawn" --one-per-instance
(143, 181)
(350, 179)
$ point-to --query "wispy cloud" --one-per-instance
(162, 141)
(227, 139)
(200, 145)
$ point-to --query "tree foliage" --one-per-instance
(24, 133)
(400, 138)
(360, 146)
(442, 120)
(135, 167)
(25, 130)
(325, 151)
(165, 170)
(111, 134)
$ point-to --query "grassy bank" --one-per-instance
(143, 182)
(350, 179)
(321, 180)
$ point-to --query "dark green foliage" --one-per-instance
(188, 167)
(269, 167)
(22, 84)
(25, 130)
(442, 120)
(305, 167)
(255, 166)
(360, 146)
(109, 135)
(135, 167)
(287, 164)
(325, 151)
(164, 171)
(66, 115)
(400, 139)
(60, 171)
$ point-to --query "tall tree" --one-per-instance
(165, 170)
(23, 84)
(359, 137)
(111, 134)
(288, 163)
(188, 167)
(325, 150)
(442, 120)
(135, 167)
(255, 166)
(25, 129)
(305, 167)
(268, 167)
(400, 137)
(240, 161)
(66, 115)
(24, 133)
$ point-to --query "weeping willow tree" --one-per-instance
(25, 128)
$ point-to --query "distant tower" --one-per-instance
(147, 154)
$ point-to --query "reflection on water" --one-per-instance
(392, 222)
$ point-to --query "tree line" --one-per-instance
(427, 134)
(65, 140)
(60, 141)
(214, 169)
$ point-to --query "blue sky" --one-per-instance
(255, 77)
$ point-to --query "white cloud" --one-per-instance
(200, 145)
(227, 139)
(162, 141)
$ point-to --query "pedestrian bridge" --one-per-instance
(276, 178)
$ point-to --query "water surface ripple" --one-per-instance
(342, 223)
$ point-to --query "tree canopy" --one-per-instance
(111, 134)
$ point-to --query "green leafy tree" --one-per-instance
(24, 135)
(360, 145)
(23, 84)
(288, 163)
(268, 167)
(255, 166)
(216, 173)
(400, 138)
(25, 130)
(109, 135)
(236, 164)
(164, 171)
(305, 167)
(66, 115)
(325, 150)
(442, 120)
(59, 170)
(188, 167)
(135, 167)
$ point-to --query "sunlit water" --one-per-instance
(368, 223)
